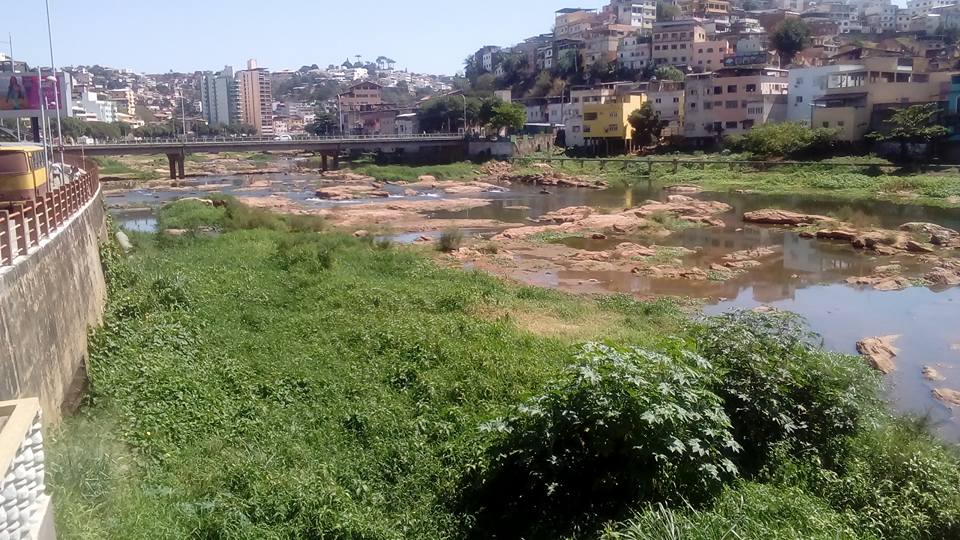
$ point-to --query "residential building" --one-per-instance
(881, 17)
(707, 9)
(667, 98)
(710, 55)
(95, 108)
(807, 84)
(639, 14)
(602, 44)
(580, 96)
(674, 41)
(125, 99)
(219, 97)
(572, 23)
(635, 52)
(407, 124)
(605, 120)
(952, 94)
(256, 98)
(922, 7)
(733, 100)
(360, 96)
(855, 101)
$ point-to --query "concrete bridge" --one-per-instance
(328, 147)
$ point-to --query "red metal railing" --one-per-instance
(24, 224)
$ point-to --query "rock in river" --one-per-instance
(931, 374)
(879, 352)
(947, 395)
(773, 216)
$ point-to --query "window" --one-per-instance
(683, 58)
(576, 129)
(576, 100)
(673, 47)
(699, 51)
(747, 124)
(826, 124)
(730, 125)
(683, 45)
(731, 104)
(590, 116)
(798, 100)
(709, 49)
(657, 100)
(675, 100)
(717, 90)
(731, 89)
(706, 105)
(693, 104)
(751, 88)
(840, 123)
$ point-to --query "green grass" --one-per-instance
(273, 382)
(114, 167)
(464, 170)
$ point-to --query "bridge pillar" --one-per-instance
(176, 162)
(336, 162)
(172, 161)
(323, 163)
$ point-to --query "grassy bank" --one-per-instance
(273, 382)
(463, 170)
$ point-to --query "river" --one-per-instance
(807, 276)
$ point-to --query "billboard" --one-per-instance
(21, 95)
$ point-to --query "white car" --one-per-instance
(283, 137)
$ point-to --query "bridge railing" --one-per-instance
(273, 139)
(24, 224)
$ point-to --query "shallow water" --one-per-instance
(806, 276)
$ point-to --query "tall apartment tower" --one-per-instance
(256, 98)
(219, 94)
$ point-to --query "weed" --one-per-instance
(450, 240)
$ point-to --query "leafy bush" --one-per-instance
(191, 215)
(623, 426)
(450, 240)
(784, 139)
(305, 252)
(779, 388)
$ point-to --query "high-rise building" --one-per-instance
(219, 95)
(256, 98)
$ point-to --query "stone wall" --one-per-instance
(49, 300)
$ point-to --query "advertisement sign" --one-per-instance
(21, 95)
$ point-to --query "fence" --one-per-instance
(24, 224)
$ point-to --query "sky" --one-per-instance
(426, 36)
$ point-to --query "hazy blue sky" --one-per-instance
(431, 36)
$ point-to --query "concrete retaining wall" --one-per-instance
(48, 302)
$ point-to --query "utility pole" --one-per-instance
(43, 118)
(13, 69)
(56, 83)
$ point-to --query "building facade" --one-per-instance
(256, 98)
(732, 100)
(219, 97)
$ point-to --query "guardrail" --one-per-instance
(23, 225)
(241, 140)
(676, 163)
(25, 509)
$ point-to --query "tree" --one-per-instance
(324, 124)
(646, 124)
(668, 73)
(667, 12)
(511, 116)
(789, 38)
(916, 124)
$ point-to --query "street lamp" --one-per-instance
(56, 86)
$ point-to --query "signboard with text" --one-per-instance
(22, 94)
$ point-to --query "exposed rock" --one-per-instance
(345, 193)
(931, 374)
(837, 234)
(943, 276)
(410, 193)
(888, 270)
(687, 209)
(598, 236)
(881, 283)
(207, 202)
(673, 272)
(379, 194)
(566, 215)
(929, 228)
(916, 247)
(879, 352)
(773, 216)
(176, 232)
(683, 188)
(947, 395)
(750, 254)
(554, 178)
(679, 199)
(426, 178)
(361, 233)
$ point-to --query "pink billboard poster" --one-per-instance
(22, 92)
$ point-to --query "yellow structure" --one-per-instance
(23, 174)
(606, 122)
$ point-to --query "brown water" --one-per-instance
(806, 276)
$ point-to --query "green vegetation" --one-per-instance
(790, 37)
(784, 139)
(914, 124)
(646, 124)
(463, 170)
(450, 240)
(272, 383)
(113, 167)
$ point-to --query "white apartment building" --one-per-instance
(807, 84)
(637, 13)
(103, 111)
(634, 52)
(881, 18)
(923, 7)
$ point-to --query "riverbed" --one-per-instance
(803, 275)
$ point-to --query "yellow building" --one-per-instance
(605, 123)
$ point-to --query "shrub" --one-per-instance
(191, 215)
(784, 139)
(450, 240)
(623, 426)
(780, 388)
(305, 252)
